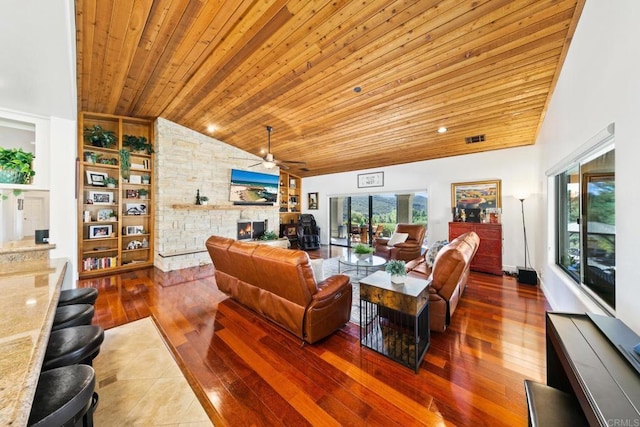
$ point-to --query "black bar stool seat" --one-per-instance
(72, 315)
(78, 296)
(550, 407)
(64, 396)
(70, 346)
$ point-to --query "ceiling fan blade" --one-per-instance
(293, 162)
(282, 165)
(257, 164)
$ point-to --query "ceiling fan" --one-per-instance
(269, 161)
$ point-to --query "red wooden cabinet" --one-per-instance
(488, 258)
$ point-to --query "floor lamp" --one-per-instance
(526, 274)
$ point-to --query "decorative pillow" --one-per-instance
(430, 256)
(316, 266)
(397, 238)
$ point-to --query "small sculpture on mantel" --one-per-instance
(198, 201)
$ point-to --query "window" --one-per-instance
(361, 218)
(586, 233)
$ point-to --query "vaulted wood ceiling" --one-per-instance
(485, 67)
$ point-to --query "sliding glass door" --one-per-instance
(362, 218)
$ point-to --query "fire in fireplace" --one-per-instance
(250, 229)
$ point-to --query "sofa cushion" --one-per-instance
(397, 238)
(316, 265)
(430, 256)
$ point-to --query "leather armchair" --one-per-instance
(405, 251)
(308, 233)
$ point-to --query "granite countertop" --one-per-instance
(24, 246)
(29, 293)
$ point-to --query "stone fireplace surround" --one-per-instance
(187, 161)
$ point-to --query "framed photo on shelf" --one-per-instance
(375, 179)
(105, 214)
(135, 179)
(290, 230)
(134, 229)
(136, 209)
(100, 231)
(132, 194)
(96, 178)
(101, 197)
(476, 195)
(313, 201)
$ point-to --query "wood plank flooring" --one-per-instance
(248, 371)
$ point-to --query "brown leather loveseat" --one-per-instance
(448, 277)
(279, 284)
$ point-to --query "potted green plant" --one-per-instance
(268, 235)
(204, 200)
(363, 251)
(137, 143)
(142, 193)
(125, 163)
(15, 166)
(146, 179)
(397, 269)
(99, 137)
(110, 182)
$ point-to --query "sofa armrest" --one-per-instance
(381, 241)
(330, 289)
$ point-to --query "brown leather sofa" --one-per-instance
(279, 284)
(448, 277)
(406, 251)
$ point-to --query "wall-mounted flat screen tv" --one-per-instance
(253, 188)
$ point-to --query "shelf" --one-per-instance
(187, 206)
(125, 251)
(111, 251)
(89, 165)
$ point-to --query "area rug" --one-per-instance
(330, 267)
(139, 382)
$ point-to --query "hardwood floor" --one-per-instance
(248, 371)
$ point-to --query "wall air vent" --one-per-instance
(474, 139)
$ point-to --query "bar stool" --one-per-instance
(549, 406)
(70, 346)
(72, 315)
(78, 296)
(64, 396)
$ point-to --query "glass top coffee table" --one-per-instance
(351, 261)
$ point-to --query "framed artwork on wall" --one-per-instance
(476, 195)
(375, 179)
(313, 201)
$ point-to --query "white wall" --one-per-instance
(598, 85)
(63, 227)
(517, 168)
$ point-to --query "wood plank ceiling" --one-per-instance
(485, 67)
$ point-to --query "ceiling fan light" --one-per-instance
(268, 165)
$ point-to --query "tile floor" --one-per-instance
(139, 382)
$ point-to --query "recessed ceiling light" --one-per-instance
(442, 129)
(211, 128)
(357, 89)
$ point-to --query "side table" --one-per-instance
(394, 319)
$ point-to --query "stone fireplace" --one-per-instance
(187, 161)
